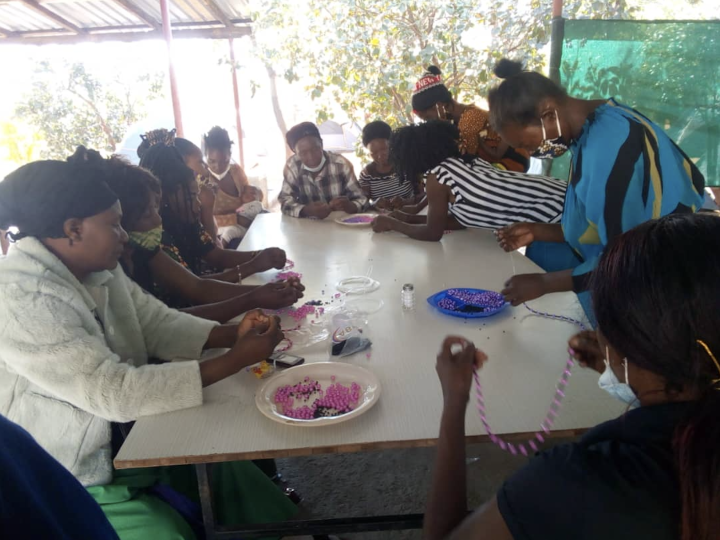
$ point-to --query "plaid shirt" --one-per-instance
(336, 179)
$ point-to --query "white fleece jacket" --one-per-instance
(64, 379)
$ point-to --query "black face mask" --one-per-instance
(550, 148)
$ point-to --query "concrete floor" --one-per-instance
(387, 482)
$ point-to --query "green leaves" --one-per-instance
(69, 106)
(370, 53)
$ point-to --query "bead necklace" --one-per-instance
(552, 413)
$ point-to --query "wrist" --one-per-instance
(455, 405)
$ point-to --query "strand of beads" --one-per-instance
(555, 317)
(554, 409)
(546, 424)
(284, 276)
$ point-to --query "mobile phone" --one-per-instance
(285, 360)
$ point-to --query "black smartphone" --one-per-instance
(285, 360)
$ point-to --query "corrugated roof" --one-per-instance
(72, 21)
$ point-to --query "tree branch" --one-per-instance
(103, 124)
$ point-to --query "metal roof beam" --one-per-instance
(202, 33)
(140, 13)
(45, 12)
(218, 12)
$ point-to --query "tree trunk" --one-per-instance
(279, 118)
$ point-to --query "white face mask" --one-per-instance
(222, 175)
(316, 169)
(609, 382)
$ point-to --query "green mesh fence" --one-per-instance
(668, 70)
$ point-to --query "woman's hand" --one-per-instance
(318, 210)
(343, 204)
(516, 236)
(269, 258)
(295, 282)
(399, 215)
(524, 287)
(382, 224)
(258, 335)
(456, 361)
(276, 295)
(253, 320)
(584, 347)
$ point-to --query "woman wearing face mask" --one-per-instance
(655, 471)
(431, 100)
(625, 171)
(75, 338)
(184, 238)
(146, 263)
(229, 180)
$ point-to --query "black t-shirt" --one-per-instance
(619, 482)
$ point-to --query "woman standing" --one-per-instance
(431, 100)
(625, 171)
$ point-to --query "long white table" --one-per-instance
(527, 354)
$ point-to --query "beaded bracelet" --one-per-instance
(552, 413)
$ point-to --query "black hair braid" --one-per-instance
(416, 149)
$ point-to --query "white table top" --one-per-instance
(527, 354)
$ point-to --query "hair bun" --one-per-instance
(434, 70)
(506, 68)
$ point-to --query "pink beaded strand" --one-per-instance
(552, 413)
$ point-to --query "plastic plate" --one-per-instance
(485, 312)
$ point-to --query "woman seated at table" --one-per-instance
(229, 180)
(431, 100)
(75, 337)
(478, 194)
(193, 157)
(655, 471)
(625, 171)
(184, 238)
(378, 179)
(155, 271)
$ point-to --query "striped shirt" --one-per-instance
(489, 198)
(383, 185)
(335, 179)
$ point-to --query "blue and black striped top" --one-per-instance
(625, 171)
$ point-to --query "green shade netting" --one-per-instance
(668, 70)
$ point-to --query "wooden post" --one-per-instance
(167, 34)
(236, 95)
(556, 40)
(557, 33)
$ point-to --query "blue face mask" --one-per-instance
(550, 148)
(609, 382)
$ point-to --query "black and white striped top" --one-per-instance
(383, 186)
(490, 198)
